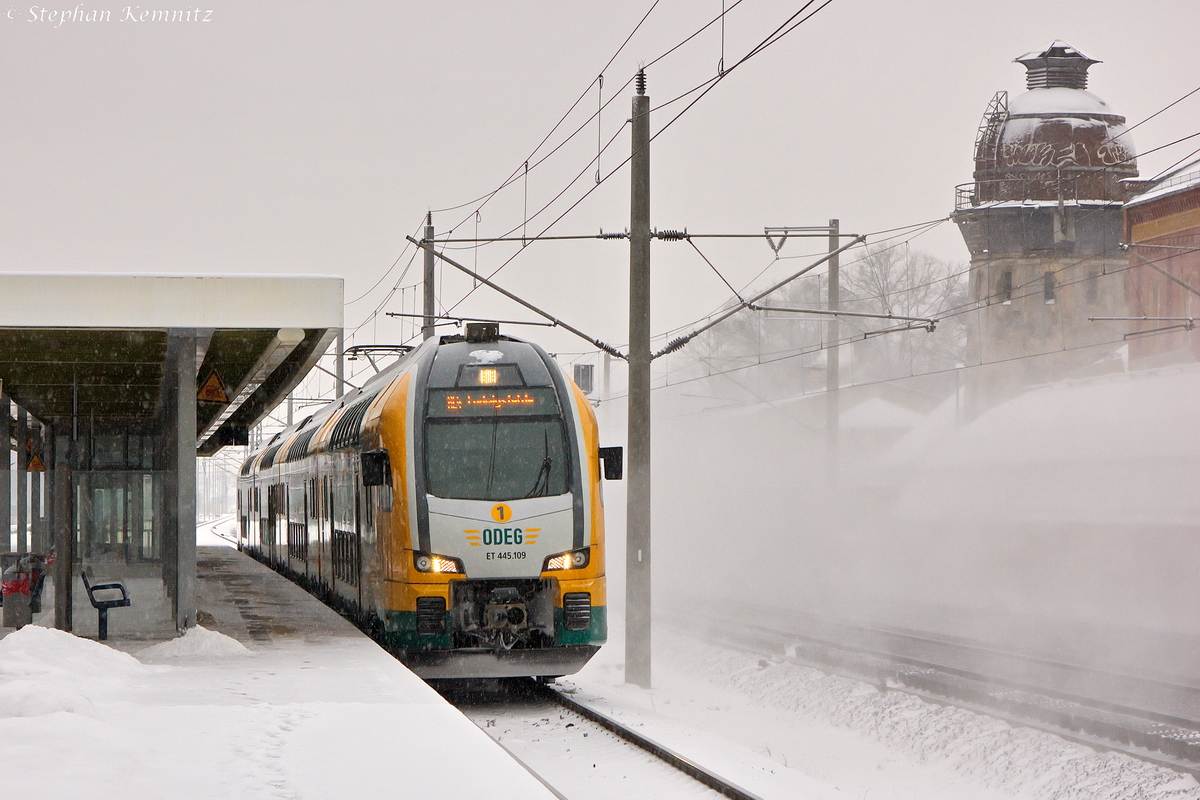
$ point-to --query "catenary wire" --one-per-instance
(586, 123)
(770, 40)
(721, 17)
(774, 37)
(1155, 114)
(485, 197)
(808, 350)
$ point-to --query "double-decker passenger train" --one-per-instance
(452, 508)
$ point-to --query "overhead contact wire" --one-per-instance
(772, 39)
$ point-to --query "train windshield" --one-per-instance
(496, 459)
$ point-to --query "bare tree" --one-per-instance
(909, 283)
(883, 280)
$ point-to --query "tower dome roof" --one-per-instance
(1058, 66)
(1055, 141)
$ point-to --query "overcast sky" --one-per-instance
(311, 137)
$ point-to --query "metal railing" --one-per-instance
(1073, 188)
(1187, 177)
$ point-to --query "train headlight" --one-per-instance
(572, 559)
(431, 562)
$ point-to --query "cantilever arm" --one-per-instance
(608, 348)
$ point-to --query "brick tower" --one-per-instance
(1042, 221)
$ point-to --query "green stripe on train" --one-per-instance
(596, 633)
(402, 633)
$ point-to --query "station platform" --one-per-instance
(274, 696)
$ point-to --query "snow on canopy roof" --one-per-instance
(1058, 101)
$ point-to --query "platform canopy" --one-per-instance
(95, 347)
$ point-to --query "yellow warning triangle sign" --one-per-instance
(36, 464)
(213, 390)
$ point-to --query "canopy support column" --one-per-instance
(64, 530)
(5, 474)
(181, 362)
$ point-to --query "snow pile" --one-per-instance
(984, 750)
(198, 642)
(45, 671)
(52, 687)
(21, 698)
(39, 653)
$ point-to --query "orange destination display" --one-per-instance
(492, 403)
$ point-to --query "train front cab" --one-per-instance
(424, 622)
(446, 624)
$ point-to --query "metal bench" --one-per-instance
(102, 606)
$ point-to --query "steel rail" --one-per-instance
(1162, 739)
(213, 529)
(663, 753)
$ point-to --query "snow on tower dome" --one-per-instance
(1060, 101)
(1056, 79)
(1056, 141)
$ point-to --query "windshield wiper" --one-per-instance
(542, 481)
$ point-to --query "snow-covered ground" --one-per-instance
(316, 711)
(319, 711)
(220, 532)
(786, 731)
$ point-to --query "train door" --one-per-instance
(243, 509)
(327, 532)
(273, 497)
(251, 515)
(256, 499)
(315, 535)
(277, 495)
(282, 520)
(267, 523)
(345, 535)
(366, 549)
(297, 528)
(310, 512)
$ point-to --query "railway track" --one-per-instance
(524, 706)
(1070, 701)
(213, 526)
(577, 751)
